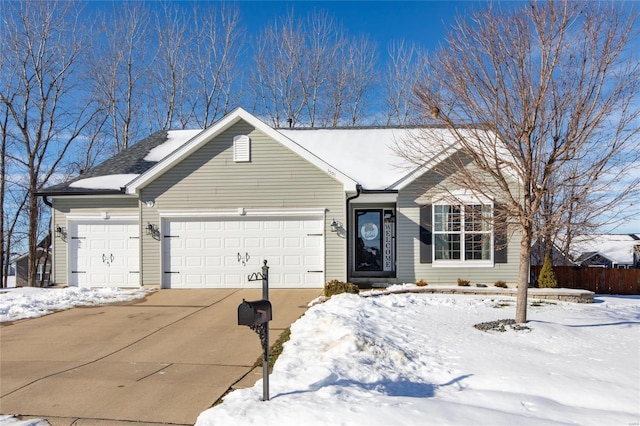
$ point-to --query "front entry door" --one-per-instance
(374, 242)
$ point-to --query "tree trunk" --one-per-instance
(33, 239)
(523, 277)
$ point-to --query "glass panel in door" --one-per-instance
(368, 253)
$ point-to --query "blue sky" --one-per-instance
(423, 22)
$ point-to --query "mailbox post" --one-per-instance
(256, 315)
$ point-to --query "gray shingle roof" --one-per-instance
(131, 160)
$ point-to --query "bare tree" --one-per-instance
(323, 39)
(554, 87)
(279, 58)
(351, 81)
(120, 70)
(219, 42)
(41, 55)
(403, 70)
(169, 101)
(310, 72)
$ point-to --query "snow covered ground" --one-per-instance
(416, 359)
(30, 302)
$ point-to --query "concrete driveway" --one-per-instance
(161, 360)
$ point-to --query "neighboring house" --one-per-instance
(558, 258)
(607, 250)
(202, 209)
(43, 265)
(11, 271)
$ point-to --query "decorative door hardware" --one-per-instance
(244, 260)
(107, 260)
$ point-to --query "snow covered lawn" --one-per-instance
(30, 302)
(416, 359)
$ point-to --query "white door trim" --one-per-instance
(241, 211)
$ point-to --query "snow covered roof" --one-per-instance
(362, 156)
(616, 247)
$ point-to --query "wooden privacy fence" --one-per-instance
(598, 280)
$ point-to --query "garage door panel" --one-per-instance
(231, 249)
(292, 261)
(252, 243)
(292, 242)
(272, 242)
(104, 254)
(213, 261)
(232, 243)
(213, 243)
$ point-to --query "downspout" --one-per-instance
(358, 191)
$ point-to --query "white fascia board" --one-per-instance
(102, 196)
(223, 124)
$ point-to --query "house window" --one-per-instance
(241, 149)
(42, 273)
(462, 233)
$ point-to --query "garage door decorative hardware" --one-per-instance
(244, 260)
(107, 260)
(257, 314)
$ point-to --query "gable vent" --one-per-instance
(241, 148)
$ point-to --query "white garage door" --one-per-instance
(104, 254)
(214, 253)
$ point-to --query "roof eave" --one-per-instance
(58, 193)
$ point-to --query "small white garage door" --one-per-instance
(218, 253)
(104, 254)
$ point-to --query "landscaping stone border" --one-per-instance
(562, 294)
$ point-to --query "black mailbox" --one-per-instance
(254, 313)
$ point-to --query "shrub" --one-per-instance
(500, 284)
(337, 287)
(463, 283)
(421, 283)
(547, 278)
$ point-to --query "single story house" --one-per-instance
(43, 266)
(593, 250)
(607, 250)
(204, 208)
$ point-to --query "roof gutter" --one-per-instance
(72, 193)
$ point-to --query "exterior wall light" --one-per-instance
(61, 232)
(153, 230)
(336, 226)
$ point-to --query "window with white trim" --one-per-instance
(42, 273)
(462, 232)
